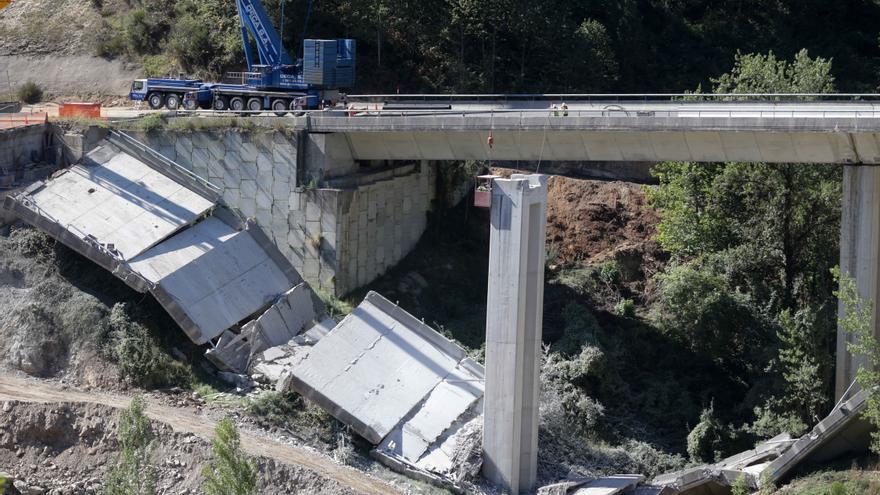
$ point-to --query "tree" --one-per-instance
(133, 474)
(230, 471)
(858, 320)
(765, 235)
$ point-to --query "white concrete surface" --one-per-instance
(226, 284)
(412, 438)
(119, 201)
(379, 367)
(513, 330)
(610, 485)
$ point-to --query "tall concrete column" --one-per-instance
(859, 250)
(513, 331)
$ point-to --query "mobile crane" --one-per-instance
(274, 80)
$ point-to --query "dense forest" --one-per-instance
(553, 46)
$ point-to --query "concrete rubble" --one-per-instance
(397, 382)
(162, 230)
(842, 431)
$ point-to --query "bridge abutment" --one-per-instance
(340, 226)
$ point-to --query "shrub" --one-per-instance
(625, 307)
(30, 93)
(698, 309)
(581, 327)
(741, 486)
(230, 472)
(158, 65)
(151, 122)
(704, 442)
(294, 414)
(141, 360)
(191, 43)
(133, 474)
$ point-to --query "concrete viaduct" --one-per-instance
(818, 132)
(341, 224)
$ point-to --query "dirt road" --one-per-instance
(26, 390)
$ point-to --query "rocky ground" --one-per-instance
(68, 448)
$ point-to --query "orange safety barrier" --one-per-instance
(87, 110)
(11, 120)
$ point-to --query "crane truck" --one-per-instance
(273, 82)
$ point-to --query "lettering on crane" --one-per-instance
(258, 26)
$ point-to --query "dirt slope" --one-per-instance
(52, 42)
(79, 421)
(592, 221)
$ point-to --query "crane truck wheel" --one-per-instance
(279, 107)
(172, 102)
(236, 104)
(221, 103)
(295, 108)
(255, 104)
(156, 100)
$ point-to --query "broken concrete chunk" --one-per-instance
(610, 485)
(375, 367)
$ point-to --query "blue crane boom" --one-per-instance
(278, 82)
(255, 23)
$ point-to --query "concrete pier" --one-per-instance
(513, 331)
(859, 249)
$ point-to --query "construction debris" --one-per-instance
(842, 431)
(394, 380)
(163, 231)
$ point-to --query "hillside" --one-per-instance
(437, 46)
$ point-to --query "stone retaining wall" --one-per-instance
(338, 238)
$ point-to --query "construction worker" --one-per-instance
(554, 110)
(564, 109)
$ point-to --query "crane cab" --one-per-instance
(138, 90)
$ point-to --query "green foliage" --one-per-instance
(741, 486)
(151, 123)
(30, 93)
(858, 320)
(158, 65)
(705, 442)
(580, 328)
(230, 471)
(752, 245)
(756, 73)
(625, 307)
(697, 308)
(336, 307)
(142, 361)
(133, 474)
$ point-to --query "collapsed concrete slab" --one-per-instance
(618, 484)
(843, 431)
(397, 382)
(164, 231)
(119, 201)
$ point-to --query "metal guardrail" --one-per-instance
(167, 162)
(620, 96)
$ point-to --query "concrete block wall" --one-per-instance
(381, 224)
(337, 238)
(19, 147)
